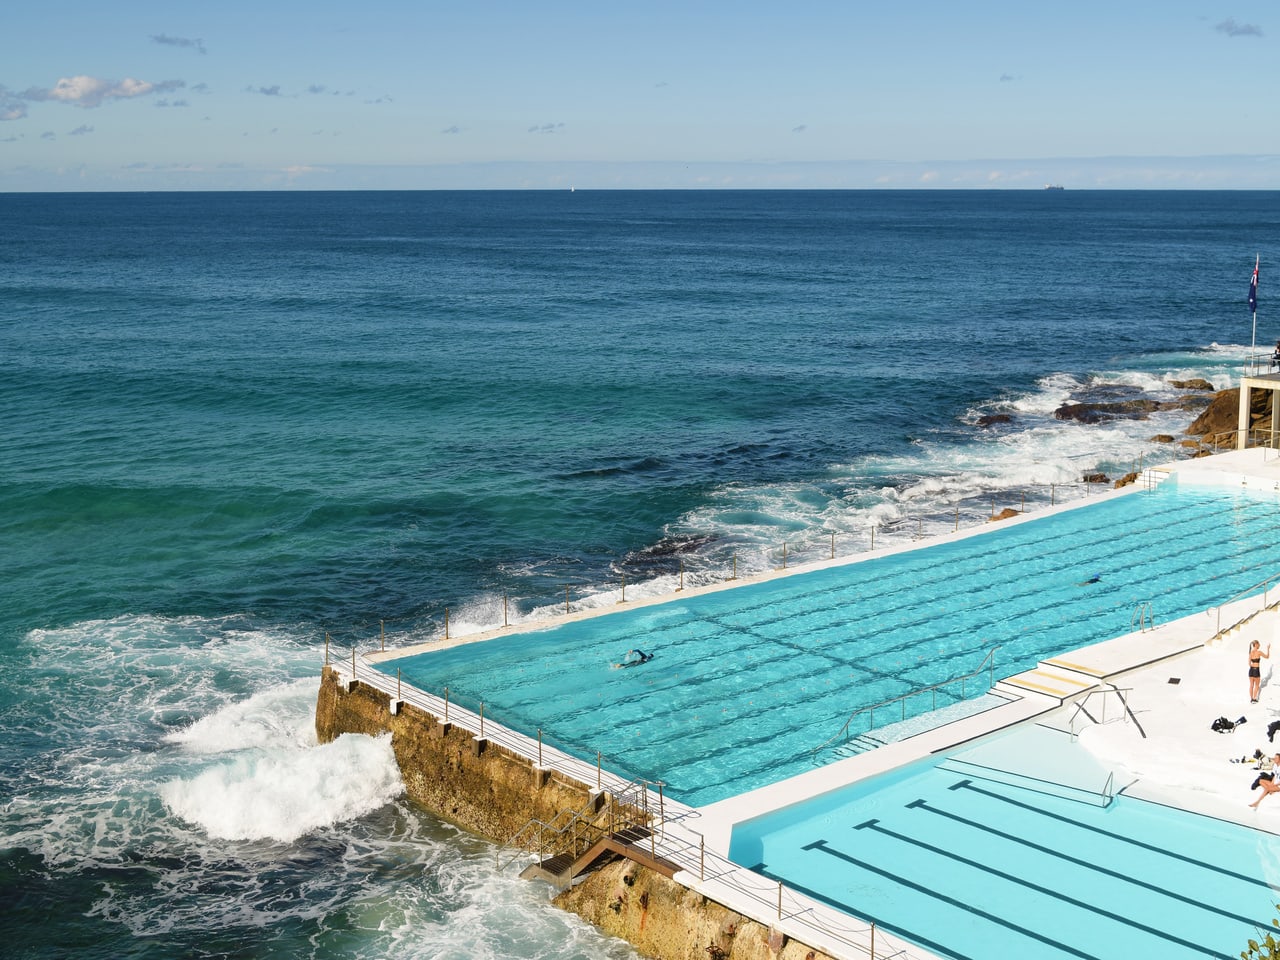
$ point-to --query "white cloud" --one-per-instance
(91, 92)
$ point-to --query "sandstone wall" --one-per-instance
(661, 918)
(493, 792)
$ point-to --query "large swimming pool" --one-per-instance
(973, 869)
(745, 683)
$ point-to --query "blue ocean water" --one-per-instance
(233, 423)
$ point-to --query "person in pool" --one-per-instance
(1094, 579)
(1255, 669)
(634, 658)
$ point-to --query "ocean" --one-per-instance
(233, 425)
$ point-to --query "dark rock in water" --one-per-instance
(1082, 412)
(1196, 383)
(988, 419)
(1162, 438)
(1192, 401)
(666, 553)
(1102, 412)
(1095, 477)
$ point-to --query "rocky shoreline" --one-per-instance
(1215, 424)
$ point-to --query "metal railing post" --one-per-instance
(382, 631)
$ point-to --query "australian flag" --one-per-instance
(1253, 288)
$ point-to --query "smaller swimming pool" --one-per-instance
(972, 868)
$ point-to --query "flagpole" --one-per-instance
(1253, 308)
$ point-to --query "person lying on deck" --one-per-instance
(1266, 782)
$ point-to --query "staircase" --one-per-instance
(574, 842)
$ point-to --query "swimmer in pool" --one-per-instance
(634, 658)
(1094, 579)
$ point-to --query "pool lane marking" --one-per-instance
(1046, 891)
(821, 847)
(1098, 868)
(1255, 881)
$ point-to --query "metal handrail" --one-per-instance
(576, 831)
(1109, 688)
(1142, 616)
(988, 663)
(1244, 593)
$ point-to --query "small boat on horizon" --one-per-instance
(1054, 186)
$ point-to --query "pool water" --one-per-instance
(746, 683)
(971, 868)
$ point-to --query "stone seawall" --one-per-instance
(477, 785)
(493, 792)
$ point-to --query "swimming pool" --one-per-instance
(971, 868)
(745, 683)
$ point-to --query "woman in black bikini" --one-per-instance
(1255, 669)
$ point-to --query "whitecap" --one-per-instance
(283, 794)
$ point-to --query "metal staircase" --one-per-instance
(575, 841)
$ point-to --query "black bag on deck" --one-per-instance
(1222, 725)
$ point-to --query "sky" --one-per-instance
(551, 94)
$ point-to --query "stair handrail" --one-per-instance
(583, 827)
(988, 664)
(1244, 593)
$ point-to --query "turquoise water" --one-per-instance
(745, 684)
(233, 423)
(973, 869)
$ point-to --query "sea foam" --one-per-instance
(283, 794)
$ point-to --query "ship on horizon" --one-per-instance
(1054, 186)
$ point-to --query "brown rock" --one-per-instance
(1127, 479)
(1196, 383)
(1005, 514)
(1220, 420)
(1162, 438)
(1095, 477)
